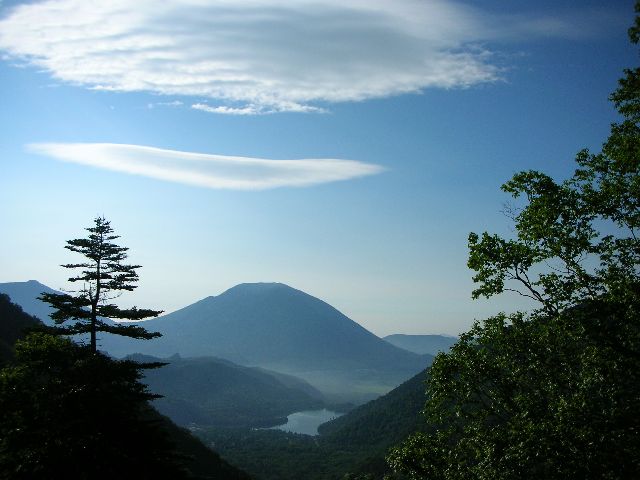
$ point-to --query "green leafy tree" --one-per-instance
(552, 393)
(525, 397)
(103, 277)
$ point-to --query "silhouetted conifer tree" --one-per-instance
(104, 277)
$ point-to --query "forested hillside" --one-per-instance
(356, 442)
(213, 392)
(198, 461)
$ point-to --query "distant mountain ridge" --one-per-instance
(26, 295)
(421, 344)
(14, 323)
(258, 315)
(269, 325)
(278, 327)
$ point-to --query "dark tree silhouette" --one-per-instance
(104, 277)
(72, 413)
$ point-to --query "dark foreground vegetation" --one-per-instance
(69, 411)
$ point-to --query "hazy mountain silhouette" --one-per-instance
(26, 295)
(14, 323)
(278, 327)
(269, 325)
(421, 344)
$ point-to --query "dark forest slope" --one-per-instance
(212, 392)
(13, 324)
(26, 295)
(202, 462)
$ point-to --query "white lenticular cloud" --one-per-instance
(206, 170)
(258, 56)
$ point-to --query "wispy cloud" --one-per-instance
(174, 103)
(206, 170)
(246, 110)
(263, 56)
(252, 109)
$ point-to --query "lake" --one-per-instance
(307, 422)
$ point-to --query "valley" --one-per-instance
(275, 380)
(307, 422)
(356, 442)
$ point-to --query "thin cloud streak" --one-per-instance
(206, 170)
(247, 110)
(263, 56)
(256, 109)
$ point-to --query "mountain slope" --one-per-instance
(421, 344)
(383, 421)
(13, 323)
(364, 436)
(281, 328)
(26, 295)
(356, 442)
(212, 392)
(200, 461)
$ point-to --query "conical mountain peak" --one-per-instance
(273, 324)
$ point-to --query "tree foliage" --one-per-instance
(525, 397)
(103, 277)
(69, 412)
(551, 393)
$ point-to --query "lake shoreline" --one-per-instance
(307, 422)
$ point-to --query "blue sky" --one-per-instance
(344, 148)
